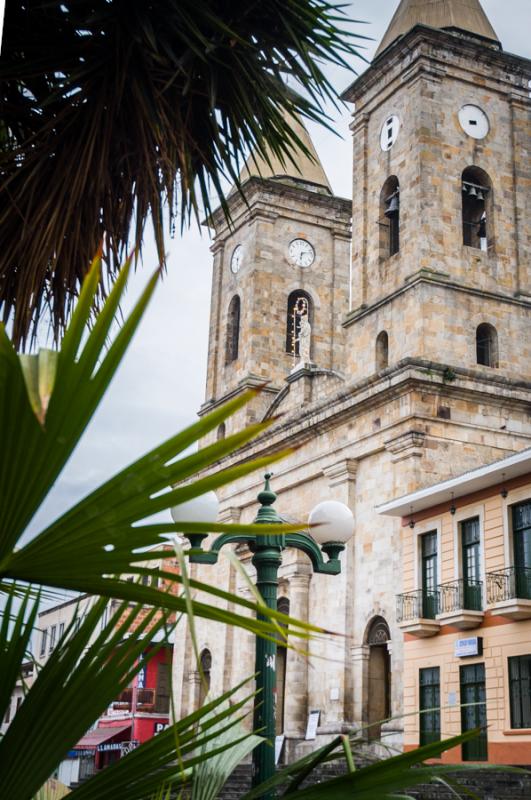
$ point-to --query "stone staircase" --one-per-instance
(486, 784)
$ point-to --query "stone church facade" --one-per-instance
(418, 295)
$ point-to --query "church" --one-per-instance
(392, 332)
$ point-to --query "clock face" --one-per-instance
(389, 132)
(301, 253)
(474, 122)
(236, 259)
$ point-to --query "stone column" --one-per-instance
(296, 700)
(342, 484)
(359, 671)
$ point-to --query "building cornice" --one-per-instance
(434, 279)
(401, 50)
(382, 388)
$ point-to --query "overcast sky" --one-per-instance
(160, 384)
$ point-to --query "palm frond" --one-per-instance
(114, 113)
(44, 412)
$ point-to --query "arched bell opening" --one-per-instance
(379, 676)
(300, 306)
(477, 208)
(389, 218)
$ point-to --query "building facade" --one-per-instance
(392, 332)
(466, 611)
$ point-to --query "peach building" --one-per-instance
(465, 611)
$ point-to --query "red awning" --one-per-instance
(92, 739)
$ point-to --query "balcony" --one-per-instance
(416, 612)
(461, 604)
(509, 592)
(145, 700)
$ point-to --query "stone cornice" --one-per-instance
(397, 53)
(408, 375)
(433, 278)
(255, 187)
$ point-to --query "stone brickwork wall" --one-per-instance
(363, 434)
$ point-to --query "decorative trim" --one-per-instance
(406, 445)
(341, 472)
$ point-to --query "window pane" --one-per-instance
(520, 691)
(429, 703)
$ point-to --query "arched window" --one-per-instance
(487, 345)
(221, 431)
(233, 330)
(389, 217)
(206, 667)
(281, 663)
(382, 350)
(476, 191)
(299, 306)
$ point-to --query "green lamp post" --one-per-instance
(334, 527)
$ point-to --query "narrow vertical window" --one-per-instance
(428, 546)
(233, 330)
(470, 551)
(389, 220)
(300, 308)
(521, 519)
(221, 431)
(53, 634)
(382, 350)
(162, 696)
(486, 345)
(473, 710)
(44, 637)
(520, 691)
(430, 705)
(476, 191)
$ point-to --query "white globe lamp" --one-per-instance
(331, 525)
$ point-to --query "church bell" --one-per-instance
(393, 206)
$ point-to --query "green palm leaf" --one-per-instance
(48, 402)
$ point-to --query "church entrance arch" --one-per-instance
(379, 683)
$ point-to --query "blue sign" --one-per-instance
(141, 679)
(469, 647)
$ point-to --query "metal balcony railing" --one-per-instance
(509, 584)
(416, 605)
(460, 595)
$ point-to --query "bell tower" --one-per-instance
(441, 236)
(280, 280)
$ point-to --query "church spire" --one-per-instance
(466, 15)
(304, 170)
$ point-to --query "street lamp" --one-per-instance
(334, 527)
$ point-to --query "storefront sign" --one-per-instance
(141, 679)
(469, 647)
(161, 726)
(104, 748)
